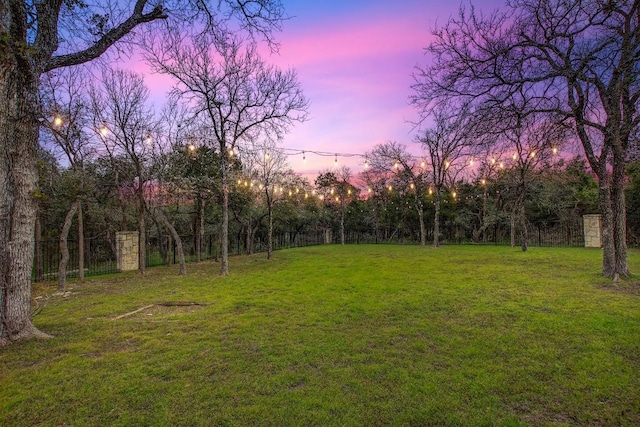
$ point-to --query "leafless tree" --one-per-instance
(575, 59)
(121, 106)
(64, 94)
(269, 168)
(393, 159)
(242, 98)
(41, 36)
(448, 145)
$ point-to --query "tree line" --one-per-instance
(508, 90)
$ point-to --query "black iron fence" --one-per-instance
(100, 254)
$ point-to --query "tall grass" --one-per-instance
(331, 335)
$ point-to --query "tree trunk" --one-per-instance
(512, 228)
(436, 220)
(342, 225)
(18, 184)
(619, 208)
(608, 246)
(423, 230)
(270, 232)
(80, 242)
(224, 226)
(176, 238)
(142, 241)
(523, 228)
(64, 248)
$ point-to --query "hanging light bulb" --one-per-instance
(422, 164)
(366, 163)
(471, 162)
(57, 121)
(396, 165)
(555, 150)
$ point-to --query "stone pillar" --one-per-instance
(127, 250)
(592, 231)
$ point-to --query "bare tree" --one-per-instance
(240, 96)
(30, 34)
(447, 145)
(269, 170)
(394, 159)
(64, 95)
(121, 105)
(533, 140)
(575, 59)
(40, 36)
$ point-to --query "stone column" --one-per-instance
(592, 231)
(127, 250)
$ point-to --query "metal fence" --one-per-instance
(100, 253)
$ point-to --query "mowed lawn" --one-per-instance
(338, 336)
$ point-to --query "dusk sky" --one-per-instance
(354, 61)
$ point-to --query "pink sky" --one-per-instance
(354, 60)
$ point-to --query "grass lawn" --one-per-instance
(331, 335)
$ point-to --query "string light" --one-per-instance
(555, 150)
(57, 121)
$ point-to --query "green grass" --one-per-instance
(330, 335)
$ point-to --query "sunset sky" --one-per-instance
(354, 61)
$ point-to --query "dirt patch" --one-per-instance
(624, 287)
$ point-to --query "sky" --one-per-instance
(354, 60)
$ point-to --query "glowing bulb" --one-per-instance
(454, 194)
(369, 190)
(239, 181)
(533, 154)
(471, 162)
(57, 121)
(447, 164)
(555, 150)
(230, 152)
(192, 147)
(430, 191)
(396, 165)
(483, 182)
(422, 164)
(337, 199)
(390, 188)
(332, 191)
(290, 193)
(266, 155)
(514, 156)
(104, 131)
(501, 165)
(493, 161)
(412, 186)
(306, 195)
